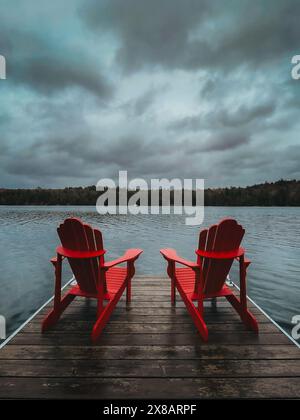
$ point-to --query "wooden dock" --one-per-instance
(150, 350)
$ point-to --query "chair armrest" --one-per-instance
(130, 255)
(221, 255)
(247, 262)
(54, 261)
(171, 255)
(71, 253)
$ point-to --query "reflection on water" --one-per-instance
(28, 240)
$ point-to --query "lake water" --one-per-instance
(28, 240)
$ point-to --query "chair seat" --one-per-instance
(186, 279)
(115, 277)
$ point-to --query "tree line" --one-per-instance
(280, 193)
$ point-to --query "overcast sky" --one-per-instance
(160, 88)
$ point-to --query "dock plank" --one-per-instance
(150, 350)
(153, 352)
(74, 388)
(135, 338)
(149, 368)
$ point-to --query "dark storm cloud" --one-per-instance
(43, 65)
(226, 141)
(50, 74)
(150, 32)
(184, 34)
(138, 106)
(223, 117)
(207, 89)
(285, 160)
(162, 88)
(153, 32)
(194, 123)
(62, 156)
(144, 102)
(245, 114)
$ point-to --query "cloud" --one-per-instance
(196, 33)
(50, 74)
(222, 117)
(144, 102)
(138, 106)
(226, 141)
(244, 114)
(172, 88)
(155, 32)
(42, 64)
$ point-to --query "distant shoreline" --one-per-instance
(205, 205)
(275, 194)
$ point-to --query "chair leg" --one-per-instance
(196, 314)
(103, 317)
(101, 322)
(171, 274)
(173, 292)
(199, 323)
(100, 306)
(52, 318)
(214, 304)
(128, 292)
(246, 316)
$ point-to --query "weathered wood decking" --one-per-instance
(150, 350)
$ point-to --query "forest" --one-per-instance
(280, 193)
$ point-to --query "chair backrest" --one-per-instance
(227, 235)
(79, 236)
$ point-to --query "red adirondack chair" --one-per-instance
(205, 279)
(83, 247)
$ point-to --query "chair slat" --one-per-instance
(226, 236)
(79, 236)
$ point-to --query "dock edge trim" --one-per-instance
(270, 319)
(10, 337)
